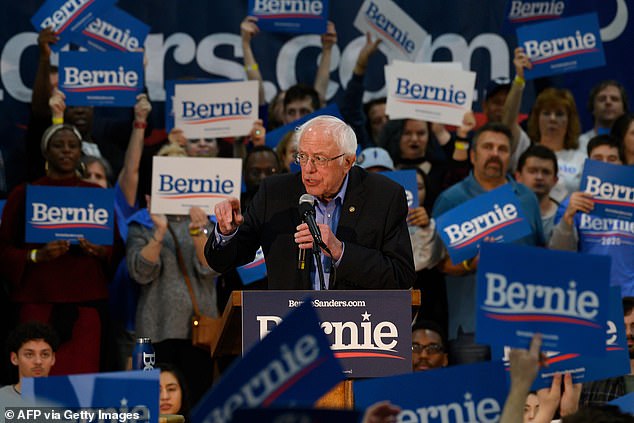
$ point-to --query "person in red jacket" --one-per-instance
(57, 283)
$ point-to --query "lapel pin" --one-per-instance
(351, 209)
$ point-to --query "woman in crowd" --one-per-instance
(441, 155)
(162, 252)
(173, 394)
(286, 150)
(58, 283)
(411, 143)
(553, 123)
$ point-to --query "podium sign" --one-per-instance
(369, 331)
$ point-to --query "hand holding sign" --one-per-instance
(553, 398)
(570, 397)
(369, 48)
(258, 133)
(418, 217)
(159, 220)
(381, 412)
(142, 108)
(91, 249)
(57, 103)
(526, 363)
(52, 250)
(228, 215)
(579, 202)
(329, 38)
(177, 136)
(521, 62)
(549, 399)
(44, 39)
(249, 29)
(468, 124)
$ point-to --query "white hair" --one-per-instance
(340, 132)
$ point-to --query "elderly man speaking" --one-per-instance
(361, 217)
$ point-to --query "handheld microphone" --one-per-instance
(301, 259)
(307, 213)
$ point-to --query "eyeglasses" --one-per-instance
(429, 348)
(317, 160)
(197, 140)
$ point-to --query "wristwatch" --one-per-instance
(199, 231)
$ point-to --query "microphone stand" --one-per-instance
(320, 268)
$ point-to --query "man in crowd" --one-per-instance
(494, 97)
(493, 107)
(537, 169)
(576, 229)
(261, 162)
(361, 217)
(32, 346)
(428, 346)
(490, 154)
(607, 102)
(299, 101)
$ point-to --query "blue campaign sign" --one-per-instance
(612, 188)
(562, 46)
(101, 78)
(69, 213)
(114, 30)
(407, 179)
(308, 16)
(425, 396)
(274, 137)
(68, 17)
(294, 415)
(134, 392)
(588, 368)
(565, 298)
(292, 366)
(253, 271)
(496, 216)
(521, 12)
(369, 331)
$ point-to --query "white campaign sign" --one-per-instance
(428, 92)
(179, 183)
(402, 36)
(216, 109)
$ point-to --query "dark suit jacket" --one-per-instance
(377, 254)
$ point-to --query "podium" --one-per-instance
(228, 342)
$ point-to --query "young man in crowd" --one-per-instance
(576, 229)
(428, 346)
(32, 347)
(537, 169)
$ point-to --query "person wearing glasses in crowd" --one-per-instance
(428, 346)
(361, 217)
